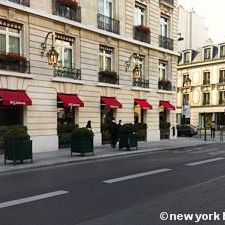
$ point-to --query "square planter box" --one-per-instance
(18, 150)
(128, 141)
(82, 145)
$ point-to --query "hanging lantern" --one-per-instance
(52, 56)
(136, 72)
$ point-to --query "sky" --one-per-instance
(214, 13)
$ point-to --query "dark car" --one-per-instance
(186, 130)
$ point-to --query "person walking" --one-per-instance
(213, 129)
(113, 130)
(88, 126)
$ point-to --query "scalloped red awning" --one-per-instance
(143, 104)
(167, 105)
(11, 97)
(70, 100)
(111, 102)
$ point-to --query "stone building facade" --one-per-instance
(100, 43)
(201, 86)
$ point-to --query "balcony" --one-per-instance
(14, 62)
(141, 33)
(21, 2)
(67, 72)
(141, 83)
(66, 11)
(108, 77)
(165, 85)
(206, 82)
(167, 2)
(165, 42)
(108, 24)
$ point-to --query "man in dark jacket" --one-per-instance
(113, 130)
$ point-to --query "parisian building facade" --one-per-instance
(201, 87)
(116, 58)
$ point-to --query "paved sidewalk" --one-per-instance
(62, 156)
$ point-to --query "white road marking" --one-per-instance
(204, 161)
(119, 179)
(32, 198)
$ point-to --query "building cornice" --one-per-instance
(85, 27)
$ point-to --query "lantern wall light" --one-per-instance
(52, 54)
(133, 65)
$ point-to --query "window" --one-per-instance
(105, 58)
(207, 53)
(222, 76)
(222, 97)
(139, 15)
(186, 99)
(11, 115)
(164, 26)
(163, 71)
(65, 50)
(206, 98)
(206, 77)
(10, 40)
(222, 51)
(187, 57)
(105, 7)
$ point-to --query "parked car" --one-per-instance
(186, 130)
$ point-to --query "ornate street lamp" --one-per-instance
(133, 65)
(52, 54)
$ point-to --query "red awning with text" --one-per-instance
(11, 97)
(143, 104)
(111, 102)
(167, 105)
(70, 100)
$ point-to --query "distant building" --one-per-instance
(192, 28)
(201, 86)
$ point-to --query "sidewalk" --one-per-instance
(62, 156)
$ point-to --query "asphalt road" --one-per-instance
(131, 190)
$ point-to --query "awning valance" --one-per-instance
(143, 104)
(14, 97)
(167, 105)
(70, 100)
(111, 102)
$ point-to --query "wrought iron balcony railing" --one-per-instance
(165, 42)
(165, 85)
(141, 83)
(108, 77)
(206, 82)
(21, 2)
(67, 72)
(108, 24)
(66, 12)
(15, 66)
(141, 34)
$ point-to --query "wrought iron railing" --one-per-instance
(16, 66)
(165, 42)
(141, 83)
(141, 35)
(108, 77)
(206, 82)
(108, 24)
(21, 2)
(165, 85)
(68, 72)
(66, 12)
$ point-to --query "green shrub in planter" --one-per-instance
(82, 141)
(141, 131)
(128, 137)
(18, 145)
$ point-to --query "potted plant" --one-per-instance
(143, 28)
(141, 131)
(165, 84)
(69, 3)
(82, 141)
(128, 136)
(18, 145)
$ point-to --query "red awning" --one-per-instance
(167, 105)
(143, 104)
(11, 97)
(111, 102)
(70, 100)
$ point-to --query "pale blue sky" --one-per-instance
(214, 12)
